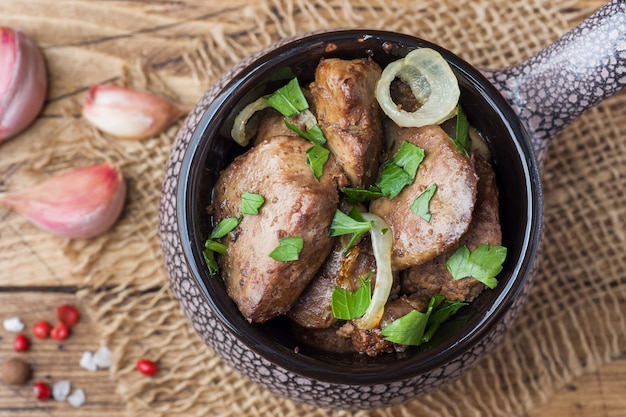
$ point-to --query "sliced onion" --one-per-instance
(432, 82)
(305, 118)
(382, 241)
(241, 132)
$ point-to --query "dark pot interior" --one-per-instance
(211, 150)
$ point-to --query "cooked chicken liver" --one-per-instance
(432, 278)
(371, 341)
(415, 240)
(343, 270)
(296, 204)
(349, 115)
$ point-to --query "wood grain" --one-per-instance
(53, 360)
(596, 394)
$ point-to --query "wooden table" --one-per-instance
(35, 295)
(596, 394)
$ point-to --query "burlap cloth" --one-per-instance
(575, 318)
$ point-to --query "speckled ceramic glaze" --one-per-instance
(517, 109)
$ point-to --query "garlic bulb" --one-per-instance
(127, 113)
(77, 204)
(23, 82)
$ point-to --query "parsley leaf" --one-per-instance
(211, 263)
(409, 157)
(462, 139)
(288, 100)
(441, 314)
(421, 205)
(251, 203)
(401, 171)
(224, 227)
(392, 180)
(313, 134)
(407, 330)
(288, 249)
(316, 157)
(344, 224)
(416, 327)
(349, 305)
(211, 246)
(359, 195)
(483, 264)
(214, 246)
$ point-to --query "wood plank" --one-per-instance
(597, 394)
(52, 360)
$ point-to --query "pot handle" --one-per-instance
(555, 86)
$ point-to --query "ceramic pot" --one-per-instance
(518, 110)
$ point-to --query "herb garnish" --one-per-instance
(313, 134)
(409, 329)
(409, 157)
(251, 203)
(349, 305)
(484, 263)
(416, 327)
(462, 139)
(355, 195)
(289, 100)
(211, 246)
(344, 224)
(401, 170)
(316, 157)
(421, 205)
(441, 314)
(397, 174)
(288, 249)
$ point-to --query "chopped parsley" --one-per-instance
(416, 327)
(407, 330)
(211, 245)
(349, 305)
(409, 157)
(316, 157)
(401, 170)
(484, 263)
(421, 205)
(313, 135)
(355, 195)
(397, 174)
(288, 249)
(344, 224)
(462, 139)
(290, 101)
(393, 179)
(224, 227)
(440, 315)
(251, 203)
(209, 258)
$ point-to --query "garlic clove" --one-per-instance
(77, 204)
(128, 114)
(23, 82)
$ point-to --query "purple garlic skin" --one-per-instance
(77, 204)
(23, 82)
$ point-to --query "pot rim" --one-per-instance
(332, 371)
